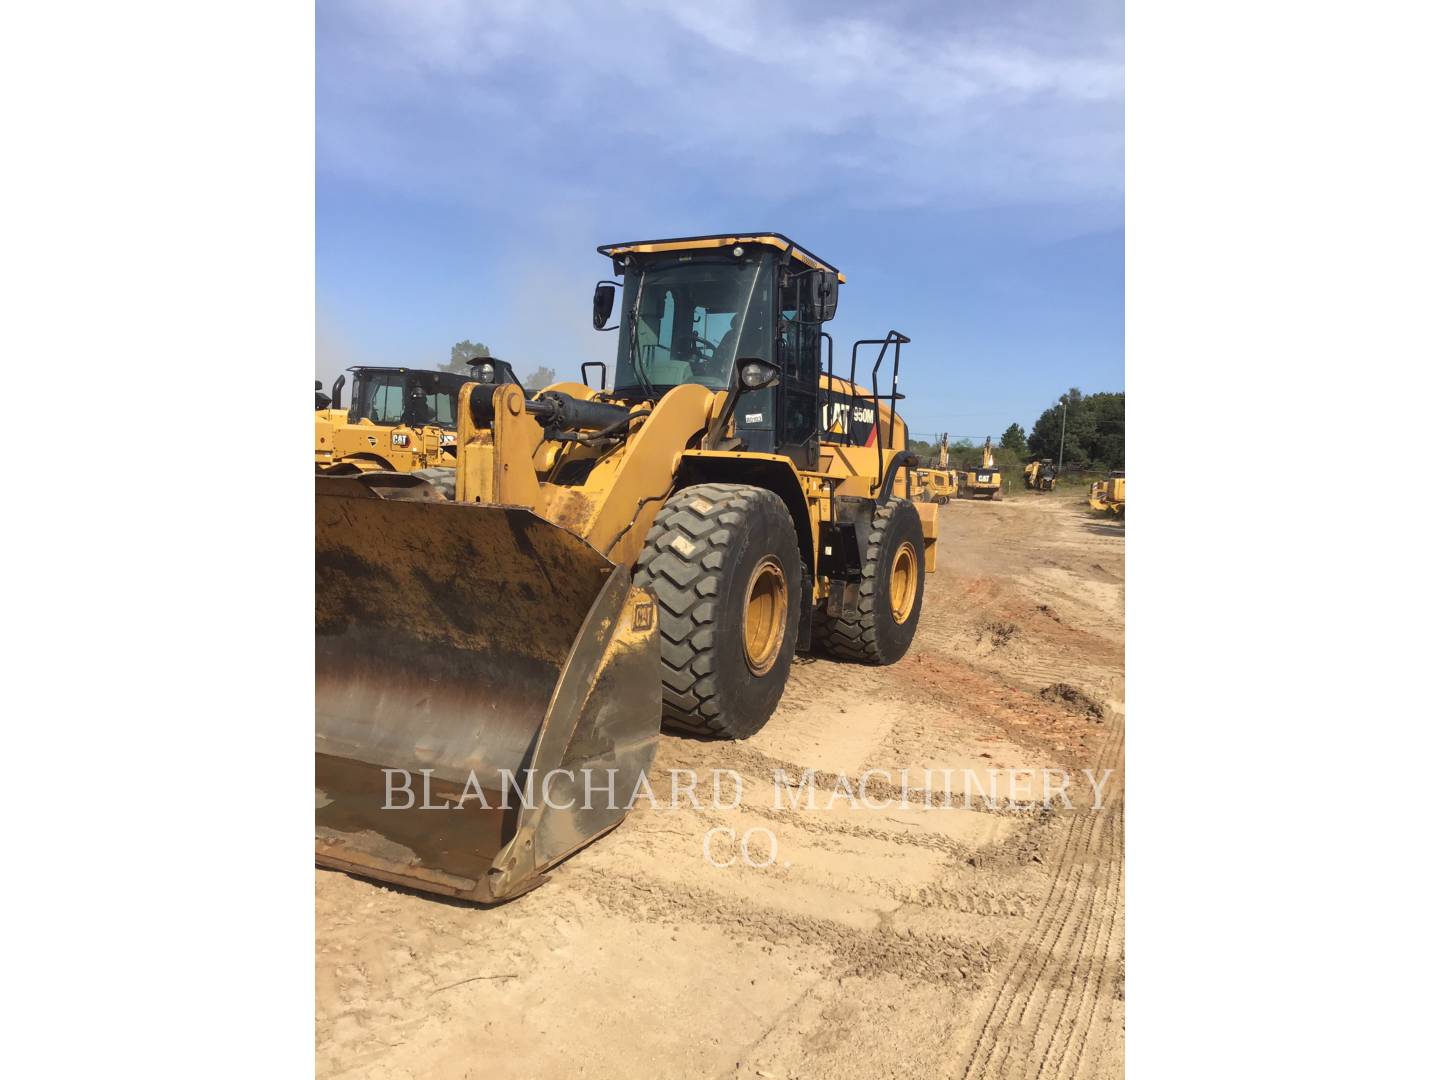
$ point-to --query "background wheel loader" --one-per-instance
(983, 479)
(609, 560)
(400, 419)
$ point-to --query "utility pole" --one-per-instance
(1064, 411)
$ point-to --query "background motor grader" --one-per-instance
(983, 479)
(608, 559)
(1109, 495)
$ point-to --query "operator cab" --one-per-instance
(399, 396)
(693, 310)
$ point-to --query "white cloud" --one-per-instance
(656, 100)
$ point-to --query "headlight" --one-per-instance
(757, 374)
(485, 373)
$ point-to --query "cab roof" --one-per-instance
(391, 370)
(697, 243)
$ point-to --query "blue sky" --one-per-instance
(961, 162)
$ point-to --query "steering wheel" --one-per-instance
(700, 346)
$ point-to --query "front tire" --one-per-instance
(724, 565)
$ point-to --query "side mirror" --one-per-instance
(602, 305)
(585, 371)
(758, 375)
(824, 294)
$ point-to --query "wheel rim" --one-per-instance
(766, 606)
(904, 577)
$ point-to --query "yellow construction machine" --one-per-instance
(983, 479)
(1040, 475)
(400, 419)
(934, 485)
(1108, 495)
(328, 413)
(493, 667)
(937, 483)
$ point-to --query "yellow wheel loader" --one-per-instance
(983, 479)
(400, 419)
(493, 668)
(1108, 496)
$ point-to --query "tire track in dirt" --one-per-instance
(1087, 872)
(1004, 1025)
(1062, 1000)
(1114, 916)
(941, 958)
(1089, 986)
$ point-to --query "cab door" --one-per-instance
(798, 405)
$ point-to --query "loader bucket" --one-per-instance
(477, 670)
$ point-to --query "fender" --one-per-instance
(771, 471)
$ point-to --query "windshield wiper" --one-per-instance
(635, 360)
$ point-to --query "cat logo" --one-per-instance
(838, 417)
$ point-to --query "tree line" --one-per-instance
(1094, 426)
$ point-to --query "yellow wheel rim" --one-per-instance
(765, 610)
(904, 578)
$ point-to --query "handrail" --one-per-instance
(896, 338)
(829, 412)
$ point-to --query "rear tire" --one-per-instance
(724, 565)
(873, 633)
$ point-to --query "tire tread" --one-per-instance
(681, 564)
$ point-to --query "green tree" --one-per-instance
(1108, 446)
(539, 378)
(1094, 427)
(461, 353)
(1014, 440)
(925, 451)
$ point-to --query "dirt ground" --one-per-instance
(885, 940)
